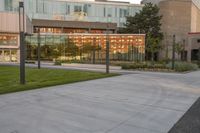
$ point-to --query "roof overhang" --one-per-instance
(73, 24)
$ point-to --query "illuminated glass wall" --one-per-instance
(89, 48)
(8, 47)
(8, 40)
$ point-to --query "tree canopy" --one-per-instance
(147, 21)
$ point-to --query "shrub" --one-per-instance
(197, 62)
(179, 66)
(183, 66)
(57, 63)
(160, 66)
(143, 66)
(30, 62)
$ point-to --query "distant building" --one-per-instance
(194, 45)
(58, 17)
(179, 18)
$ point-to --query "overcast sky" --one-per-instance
(132, 1)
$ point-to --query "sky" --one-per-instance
(132, 1)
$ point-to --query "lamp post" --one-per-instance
(107, 45)
(94, 50)
(132, 51)
(22, 47)
(199, 55)
(173, 52)
(38, 49)
(183, 52)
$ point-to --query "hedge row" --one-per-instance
(179, 66)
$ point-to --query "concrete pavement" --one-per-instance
(132, 103)
(76, 66)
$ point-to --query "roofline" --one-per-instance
(103, 3)
(90, 34)
(194, 33)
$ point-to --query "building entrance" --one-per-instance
(8, 55)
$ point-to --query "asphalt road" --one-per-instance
(133, 103)
(190, 122)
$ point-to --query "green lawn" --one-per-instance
(35, 78)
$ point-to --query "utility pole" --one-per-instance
(22, 45)
(173, 52)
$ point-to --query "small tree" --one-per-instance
(71, 48)
(179, 48)
(147, 21)
(154, 45)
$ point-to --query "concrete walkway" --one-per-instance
(132, 103)
(76, 66)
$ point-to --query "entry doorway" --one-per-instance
(8, 55)
(195, 54)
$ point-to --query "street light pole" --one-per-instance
(107, 47)
(38, 49)
(22, 47)
(199, 55)
(183, 53)
(173, 52)
(94, 51)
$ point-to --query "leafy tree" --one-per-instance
(90, 49)
(154, 46)
(146, 21)
(179, 48)
(71, 48)
(87, 48)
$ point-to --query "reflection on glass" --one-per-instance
(90, 48)
(8, 40)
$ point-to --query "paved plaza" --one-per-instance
(143, 102)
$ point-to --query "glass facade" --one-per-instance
(8, 40)
(75, 10)
(68, 30)
(8, 47)
(86, 43)
(11, 5)
(87, 47)
(8, 55)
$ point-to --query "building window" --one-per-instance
(123, 13)
(77, 8)
(8, 5)
(40, 6)
(67, 9)
(198, 40)
(109, 12)
(7, 40)
(115, 11)
(37, 9)
(120, 13)
(85, 8)
(104, 12)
